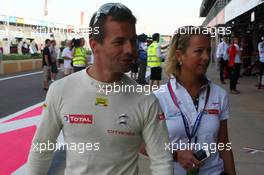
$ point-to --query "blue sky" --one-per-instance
(153, 16)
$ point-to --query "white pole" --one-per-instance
(8, 37)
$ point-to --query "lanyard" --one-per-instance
(185, 122)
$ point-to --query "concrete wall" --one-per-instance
(9, 67)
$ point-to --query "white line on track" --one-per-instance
(19, 124)
(20, 171)
(20, 112)
(18, 76)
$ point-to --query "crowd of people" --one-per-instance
(71, 58)
(25, 47)
(189, 109)
(229, 56)
(151, 54)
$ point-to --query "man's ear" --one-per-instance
(94, 45)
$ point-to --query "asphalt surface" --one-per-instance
(19, 93)
(246, 123)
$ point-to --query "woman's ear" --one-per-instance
(178, 56)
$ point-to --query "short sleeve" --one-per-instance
(225, 107)
(45, 51)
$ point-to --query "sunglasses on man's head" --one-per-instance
(106, 8)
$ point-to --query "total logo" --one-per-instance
(79, 118)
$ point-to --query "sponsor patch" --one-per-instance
(79, 118)
(101, 101)
(212, 111)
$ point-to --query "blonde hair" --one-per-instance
(180, 42)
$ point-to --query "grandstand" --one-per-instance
(16, 30)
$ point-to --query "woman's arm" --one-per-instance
(226, 155)
(185, 158)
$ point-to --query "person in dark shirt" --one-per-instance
(46, 63)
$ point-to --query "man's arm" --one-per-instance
(41, 152)
(46, 57)
(155, 135)
(66, 55)
(67, 58)
(47, 60)
(159, 54)
(219, 52)
(164, 47)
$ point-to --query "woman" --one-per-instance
(196, 110)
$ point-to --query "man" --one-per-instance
(53, 55)
(142, 58)
(46, 63)
(222, 56)
(67, 56)
(33, 48)
(84, 51)
(79, 55)
(234, 65)
(114, 125)
(1, 55)
(154, 60)
(261, 61)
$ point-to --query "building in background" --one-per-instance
(244, 17)
(15, 30)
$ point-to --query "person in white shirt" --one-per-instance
(196, 110)
(19, 47)
(261, 61)
(222, 56)
(108, 129)
(32, 48)
(67, 56)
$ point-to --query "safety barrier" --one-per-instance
(16, 66)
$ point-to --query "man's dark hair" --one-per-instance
(116, 13)
(142, 37)
(155, 36)
(47, 40)
(77, 43)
